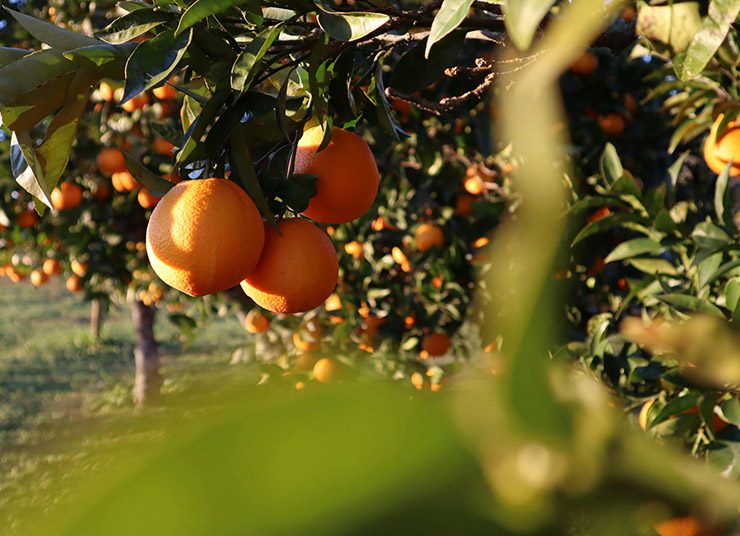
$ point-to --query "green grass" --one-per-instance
(57, 384)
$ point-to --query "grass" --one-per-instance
(56, 382)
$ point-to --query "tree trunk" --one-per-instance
(146, 356)
(98, 311)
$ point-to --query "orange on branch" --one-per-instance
(136, 103)
(38, 277)
(585, 64)
(204, 236)
(685, 526)
(79, 268)
(165, 92)
(354, 248)
(162, 147)
(147, 199)
(111, 160)
(297, 271)
(256, 321)
(347, 174)
(427, 236)
(52, 267)
(720, 152)
(73, 284)
(66, 196)
(435, 344)
(611, 124)
(27, 218)
(106, 91)
(325, 370)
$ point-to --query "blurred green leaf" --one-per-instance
(522, 17)
(350, 25)
(722, 13)
(449, 17)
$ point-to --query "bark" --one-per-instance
(146, 356)
(98, 310)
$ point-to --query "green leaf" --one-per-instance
(709, 236)
(244, 171)
(603, 224)
(52, 35)
(153, 61)
(243, 71)
(30, 108)
(724, 457)
(449, 17)
(673, 25)
(610, 165)
(732, 296)
(133, 25)
(722, 201)
(31, 72)
(722, 13)
(654, 266)
(154, 183)
(350, 25)
(707, 268)
(108, 61)
(691, 303)
(9, 55)
(633, 248)
(200, 9)
(27, 169)
(522, 17)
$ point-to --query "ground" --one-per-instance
(55, 382)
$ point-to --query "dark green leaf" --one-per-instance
(9, 55)
(52, 35)
(244, 69)
(200, 9)
(691, 303)
(610, 165)
(133, 25)
(603, 224)
(153, 61)
(243, 169)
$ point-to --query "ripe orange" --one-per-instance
(333, 303)
(100, 191)
(464, 205)
(325, 370)
(124, 182)
(354, 248)
(347, 175)
(204, 236)
(165, 92)
(107, 93)
(138, 102)
(147, 199)
(162, 146)
(474, 185)
(427, 236)
(297, 271)
(14, 275)
(409, 321)
(611, 124)
(38, 277)
(417, 380)
(685, 526)
(718, 153)
(27, 218)
(79, 268)
(110, 160)
(52, 267)
(66, 196)
(256, 321)
(73, 284)
(585, 64)
(435, 344)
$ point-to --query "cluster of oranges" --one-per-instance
(207, 235)
(112, 163)
(40, 276)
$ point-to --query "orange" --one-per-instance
(52, 267)
(14, 275)
(110, 160)
(325, 370)
(38, 277)
(27, 218)
(685, 526)
(474, 185)
(162, 146)
(435, 344)
(333, 303)
(464, 205)
(100, 191)
(611, 124)
(165, 92)
(718, 153)
(74, 284)
(256, 321)
(138, 102)
(584, 65)
(643, 418)
(348, 177)
(107, 93)
(380, 223)
(400, 257)
(628, 14)
(204, 236)
(147, 199)
(354, 248)
(297, 271)
(417, 380)
(66, 196)
(79, 268)
(123, 181)
(409, 321)
(427, 236)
